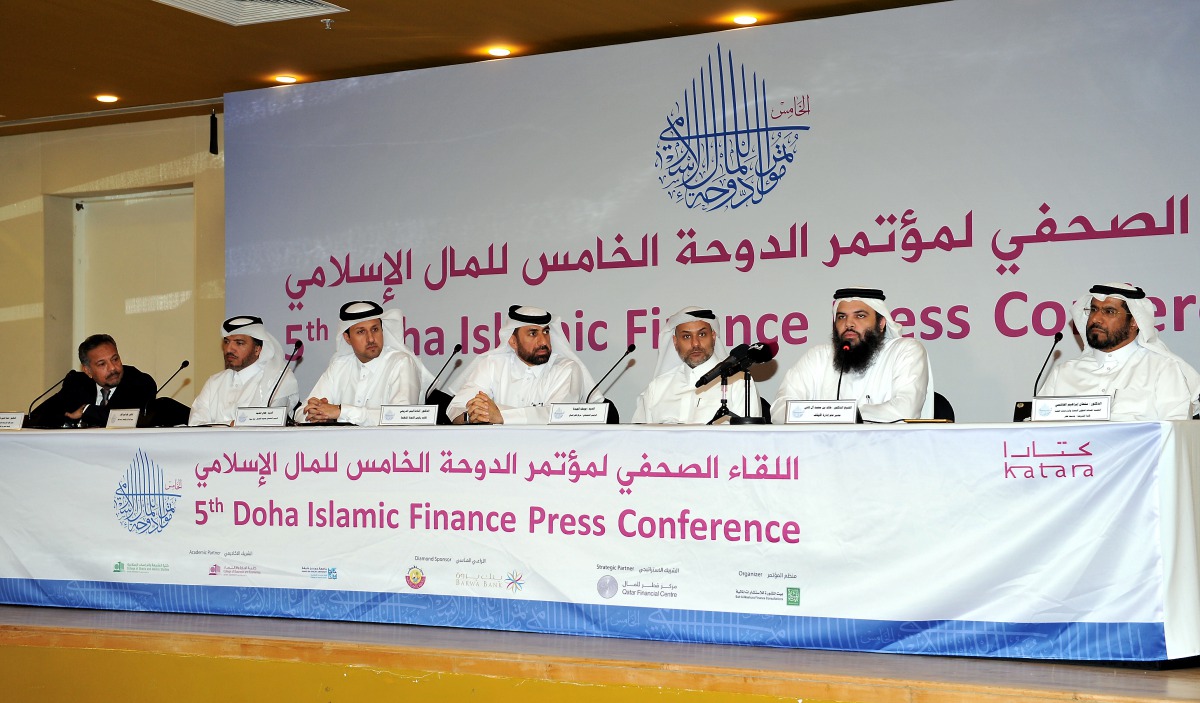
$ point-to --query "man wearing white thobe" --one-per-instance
(254, 361)
(1123, 357)
(689, 346)
(867, 360)
(371, 367)
(516, 382)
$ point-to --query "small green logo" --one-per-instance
(793, 596)
(119, 567)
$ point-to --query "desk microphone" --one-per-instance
(182, 366)
(845, 348)
(628, 351)
(1057, 338)
(457, 349)
(740, 358)
(760, 354)
(289, 358)
(43, 395)
(731, 365)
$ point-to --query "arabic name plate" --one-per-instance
(1078, 407)
(392, 415)
(124, 418)
(11, 421)
(578, 413)
(803, 412)
(274, 416)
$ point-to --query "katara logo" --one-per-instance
(141, 500)
(725, 144)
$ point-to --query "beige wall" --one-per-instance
(40, 176)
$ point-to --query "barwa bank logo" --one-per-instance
(727, 145)
(142, 500)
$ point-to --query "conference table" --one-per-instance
(1040, 540)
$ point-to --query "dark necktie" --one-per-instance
(104, 393)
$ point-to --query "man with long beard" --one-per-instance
(1124, 358)
(867, 360)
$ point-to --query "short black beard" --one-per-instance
(532, 358)
(1115, 339)
(859, 357)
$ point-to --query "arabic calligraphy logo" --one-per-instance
(415, 578)
(514, 581)
(723, 146)
(214, 570)
(141, 500)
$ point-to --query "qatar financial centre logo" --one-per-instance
(726, 146)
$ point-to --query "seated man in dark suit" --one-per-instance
(104, 383)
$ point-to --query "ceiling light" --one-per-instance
(285, 79)
(745, 19)
(499, 51)
(107, 98)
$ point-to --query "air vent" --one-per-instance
(240, 12)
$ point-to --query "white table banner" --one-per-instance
(1007, 540)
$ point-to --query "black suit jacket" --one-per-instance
(136, 390)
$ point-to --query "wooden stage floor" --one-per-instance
(49, 654)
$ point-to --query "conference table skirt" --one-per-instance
(1035, 540)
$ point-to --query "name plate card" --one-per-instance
(124, 418)
(274, 416)
(801, 412)
(11, 421)
(392, 415)
(1078, 407)
(578, 413)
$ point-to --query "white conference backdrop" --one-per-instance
(1057, 134)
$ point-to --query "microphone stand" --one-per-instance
(628, 350)
(748, 418)
(182, 366)
(288, 421)
(724, 410)
(28, 419)
(442, 418)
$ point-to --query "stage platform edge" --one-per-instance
(51, 654)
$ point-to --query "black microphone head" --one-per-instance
(185, 364)
(630, 348)
(740, 351)
(457, 348)
(1058, 337)
(297, 345)
(760, 352)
